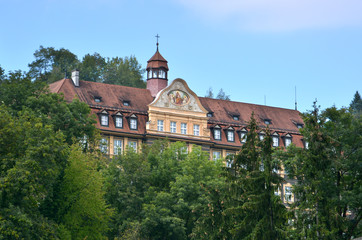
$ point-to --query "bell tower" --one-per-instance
(157, 70)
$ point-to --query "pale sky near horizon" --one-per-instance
(253, 49)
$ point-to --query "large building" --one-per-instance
(128, 116)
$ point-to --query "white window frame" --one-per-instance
(183, 128)
(275, 141)
(133, 123)
(196, 130)
(104, 120)
(160, 125)
(216, 155)
(104, 145)
(217, 133)
(133, 145)
(230, 135)
(118, 121)
(117, 146)
(288, 141)
(173, 127)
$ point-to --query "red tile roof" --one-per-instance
(157, 61)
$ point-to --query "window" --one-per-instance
(132, 145)
(104, 120)
(243, 135)
(118, 122)
(161, 74)
(160, 125)
(217, 133)
(276, 191)
(196, 130)
(261, 136)
(117, 146)
(229, 159)
(133, 123)
(150, 74)
(306, 144)
(267, 121)
(97, 99)
(230, 135)
(236, 117)
(299, 125)
(126, 103)
(288, 141)
(216, 155)
(104, 145)
(183, 128)
(173, 127)
(209, 114)
(288, 194)
(275, 141)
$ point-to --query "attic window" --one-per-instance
(236, 117)
(299, 125)
(97, 99)
(210, 114)
(243, 135)
(275, 137)
(126, 103)
(267, 121)
(287, 140)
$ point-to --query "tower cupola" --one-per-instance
(157, 70)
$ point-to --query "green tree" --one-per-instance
(356, 104)
(327, 193)
(124, 71)
(92, 67)
(51, 65)
(83, 210)
(221, 95)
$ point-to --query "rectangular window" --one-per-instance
(183, 128)
(104, 120)
(196, 130)
(104, 145)
(275, 141)
(216, 155)
(133, 123)
(288, 141)
(261, 137)
(173, 127)
(117, 146)
(217, 134)
(288, 194)
(229, 159)
(133, 145)
(231, 136)
(160, 125)
(119, 122)
(243, 137)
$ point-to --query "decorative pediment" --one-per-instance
(178, 96)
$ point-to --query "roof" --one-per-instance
(223, 111)
(157, 61)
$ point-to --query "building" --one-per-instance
(128, 116)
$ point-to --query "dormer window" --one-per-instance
(243, 135)
(287, 140)
(118, 120)
(210, 114)
(236, 117)
(126, 103)
(103, 118)
(299, 125)
(275, 137)
(267, 121)
(133, 122)
(98, 99)
(217, 133)
(261, 135)
(230, 134)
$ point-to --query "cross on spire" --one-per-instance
(157, 36)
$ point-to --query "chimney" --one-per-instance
(75, 77)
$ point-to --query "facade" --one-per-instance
(128, 116)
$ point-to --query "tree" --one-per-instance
(124, 71)
(356, 104)
(83, 211)
(51, 65)
(221, 95)
(327, 194)
(92, 67)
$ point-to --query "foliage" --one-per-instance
(83, 210)
(92, 67)
(221, 95)
(356, 104)
(328, 191)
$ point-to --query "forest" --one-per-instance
(56, 184)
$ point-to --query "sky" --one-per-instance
(257, 51)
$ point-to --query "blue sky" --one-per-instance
(253, 49)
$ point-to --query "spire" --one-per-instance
(157, 36)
